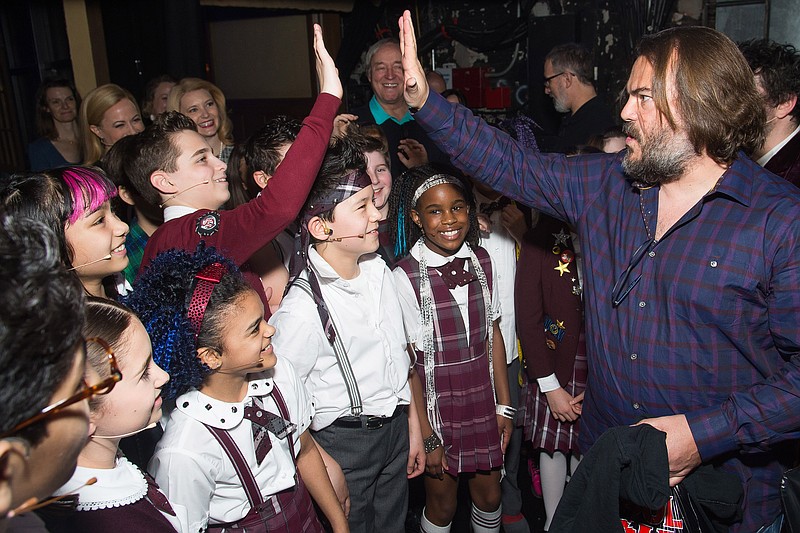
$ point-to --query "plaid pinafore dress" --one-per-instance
(463, 386)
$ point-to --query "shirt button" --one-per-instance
(713, 264)
(634, 356)
(636, 405)
(642, 304)
(652, 253)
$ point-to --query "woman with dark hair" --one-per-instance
(57, 103)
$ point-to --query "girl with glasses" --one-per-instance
(123, 498)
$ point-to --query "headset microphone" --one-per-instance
(148, 426)
(104, 258)
(339, 239)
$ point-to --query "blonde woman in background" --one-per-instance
(108, 114)
(204, 103)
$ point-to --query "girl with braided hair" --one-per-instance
(450, 311)
(235, 450)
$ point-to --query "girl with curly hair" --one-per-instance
(236, 451)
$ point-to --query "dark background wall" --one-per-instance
(145, 38)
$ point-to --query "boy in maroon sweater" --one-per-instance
(172, 166)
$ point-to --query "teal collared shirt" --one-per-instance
(382, 116)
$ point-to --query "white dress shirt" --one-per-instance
(193, 470)
(366, 313)
(502, 249)
(408, 298)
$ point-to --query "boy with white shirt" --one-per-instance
(338, 326)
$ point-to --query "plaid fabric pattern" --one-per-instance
(464, 390)
(134, 245)
(541, 429)
(289, 511)
(710, 331)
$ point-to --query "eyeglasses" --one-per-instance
(622, 287)
(89, 391)
(548, 79)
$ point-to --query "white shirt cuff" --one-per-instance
(548, 383)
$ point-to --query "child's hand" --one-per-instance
(339, 486)
(514, 221)
(414, 83)
(484, 223)
(505, 426)
(411, 153)
(436, 463)
(560, 403)
(416, 458)
(327, 73)
(577, 404)
(341, 124)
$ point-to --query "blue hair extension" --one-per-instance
(161, 299)
(400, 246)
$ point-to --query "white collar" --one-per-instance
(122, 485)
(764, 159)
(368, 264)
(172, 212)
(219, 414)
(435, 260)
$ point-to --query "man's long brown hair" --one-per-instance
(714, 90)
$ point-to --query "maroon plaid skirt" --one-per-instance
(541, 429)
(469, 423)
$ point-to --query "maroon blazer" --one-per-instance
(549, 313)
(786, 163)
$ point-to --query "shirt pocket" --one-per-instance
(717, 290)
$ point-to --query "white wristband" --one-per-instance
(506, 411)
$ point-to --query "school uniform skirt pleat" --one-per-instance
(542, 430)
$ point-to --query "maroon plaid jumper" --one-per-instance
(463, 386)
(288, 511)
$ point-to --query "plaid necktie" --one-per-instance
(263, 423)
(454, 275)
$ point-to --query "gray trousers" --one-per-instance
(374, 464)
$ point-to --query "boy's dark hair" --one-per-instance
(112, 164)
(403, 232)
(151, 150)
(40, 326)
(778, 69)
(238, 185)
(261, 150)
(342, 157)
(161, 300)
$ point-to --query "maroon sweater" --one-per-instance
(240, 232)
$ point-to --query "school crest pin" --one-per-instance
(207, 224)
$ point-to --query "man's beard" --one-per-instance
(559, 105)
(664, 155)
